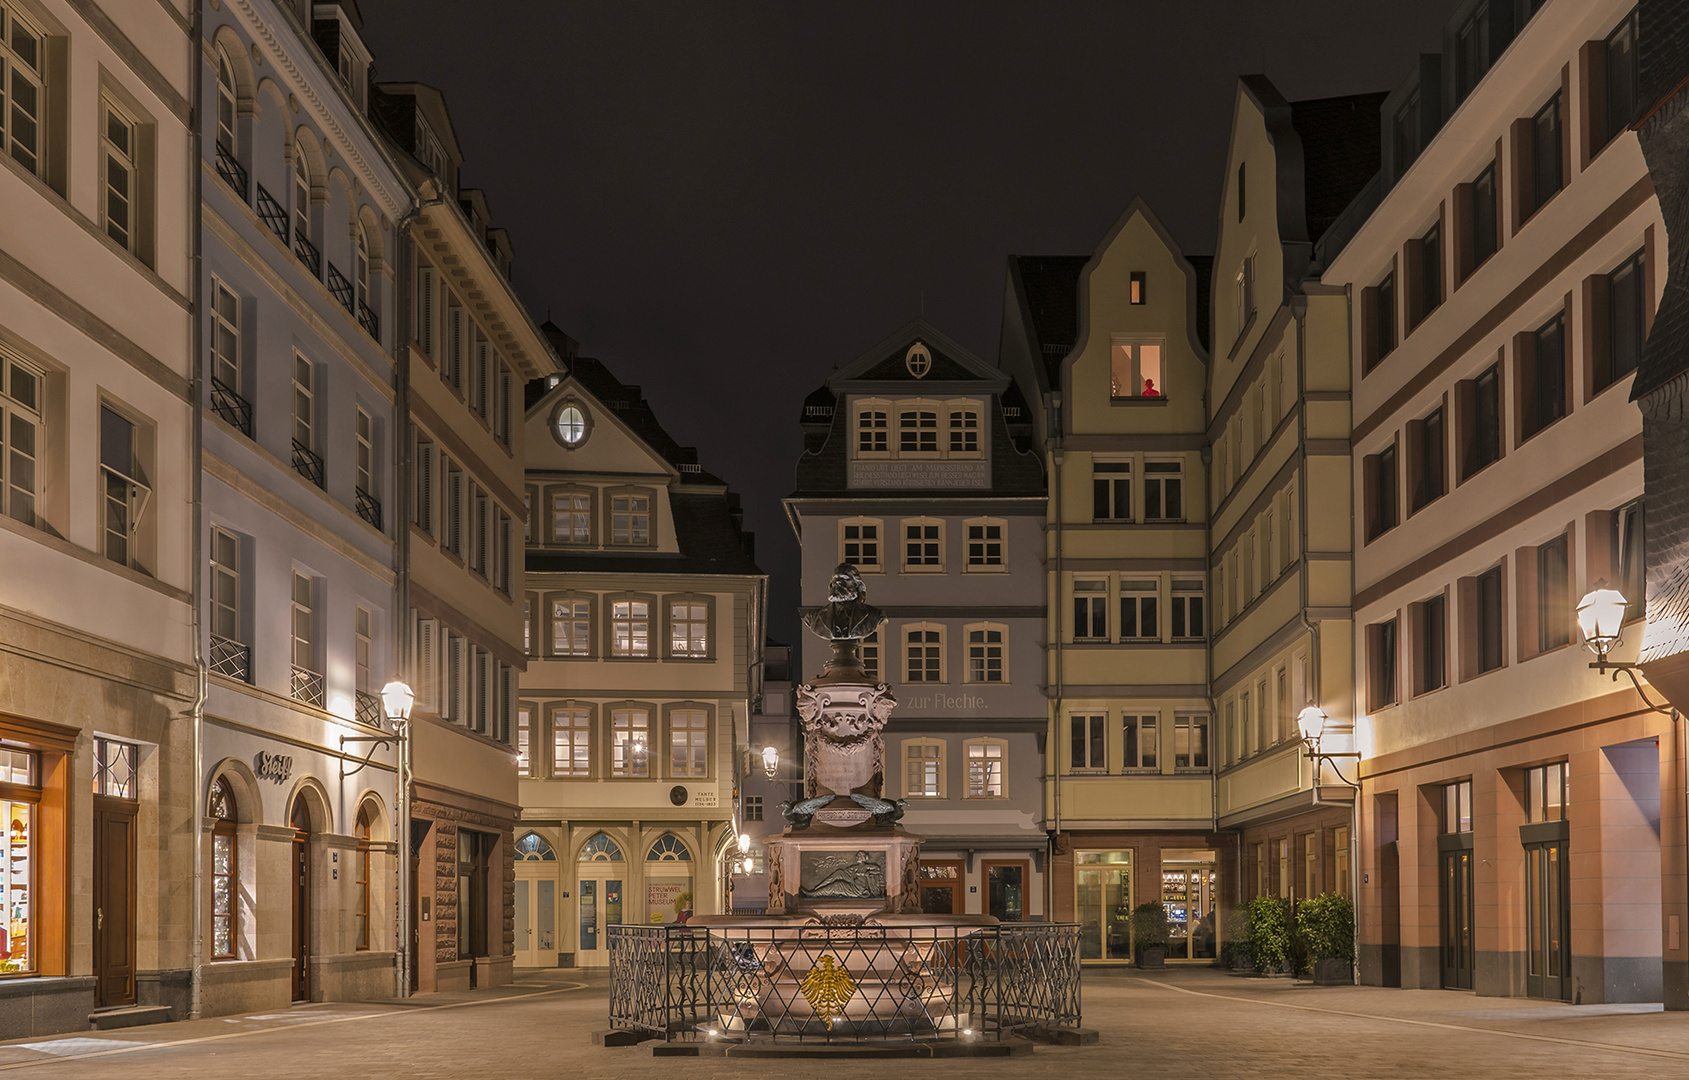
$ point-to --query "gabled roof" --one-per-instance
(1050, 284)
(622, 400)
(1340, 152)
(885, 360)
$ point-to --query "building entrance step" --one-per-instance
(124, 1016)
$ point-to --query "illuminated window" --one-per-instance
(571, 742)
(1136, 370)
(630, 742)
(689, 743)
(689, 628)
(985, 653)
(225, 871)
(985, 761)
(923, 769)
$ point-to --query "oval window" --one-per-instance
(571, 426)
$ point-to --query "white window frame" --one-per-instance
(35, 76)
(696, 743)
(1092, 595)
(363, 648)
(930, 784)
(926, 645)
(981, 651)
(1093, 724)
(705, 620)
(137, 494)
(300, 220)
(986, 762)
(1140, 742)
(1134, 344)
(579, 726)
(1157, 474)
(1188, 592)
(1116, 473)
(303, 631)
(225, 335)
(572, 618)
(629, 769)
(524, 739)
(984, 544)
(19, 500)
(918, 408)
(881, 418)
(126, 159)
(1187, 726)
(632, 619)
(225, 583)
(633, 514)
(364, 431)
(863, 543)
(963, 408)
(304, 402)
(929, 545)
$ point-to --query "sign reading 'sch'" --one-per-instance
(921, 474)
(276, 767)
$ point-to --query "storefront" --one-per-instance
(1098, 878)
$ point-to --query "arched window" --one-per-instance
(362, 266)
(601, 849)
(668, 848)
(366, 814)
(225, 871)
(531, 847)
(226, 111)
(301, 191)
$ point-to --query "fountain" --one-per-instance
(844, 953)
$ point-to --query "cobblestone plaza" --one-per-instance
(1187, 1022)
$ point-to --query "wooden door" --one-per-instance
(1005, 888)
(942, 882)
(301, 903)
(114, 901)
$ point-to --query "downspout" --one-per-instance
(196, 590)
(1299, 311)
(1354, 694)
(1053, 754)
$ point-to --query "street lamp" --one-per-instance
(1601, 621)
(396, 701)
(770, 761)
(1310, 724)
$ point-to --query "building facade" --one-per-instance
(646, 616)
(471, 348)
(97, 694)
(299, 603)
(1113, 348)
(918, 470)
(1279, 527)
(1503, 282)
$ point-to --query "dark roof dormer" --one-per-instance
(337, 28)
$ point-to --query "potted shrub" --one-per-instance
(1269, 934)
(1234, 950)
(1325, 926)
(1150, 934)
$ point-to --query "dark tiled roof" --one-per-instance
(1204, 267)
(706, 532)
(629, 406)
(895, 366)
(1051, 283)
(1340, 152)
(1668, 618)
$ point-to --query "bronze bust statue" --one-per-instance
(848, 616)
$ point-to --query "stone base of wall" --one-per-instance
(452, 974)
(355, 976)
(494, 971)
(241, 986)
(172, 988)
(45, 1006)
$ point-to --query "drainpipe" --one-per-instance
(196, 589)
(1299, 311)
(1052, 405)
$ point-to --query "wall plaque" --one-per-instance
(845, 875)
(904, 473)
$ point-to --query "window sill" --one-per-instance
(922, 570)
(1524, 438)
(1465, 478)
(1242, 334)
(995, 569)
(1417, 694)
(985, 798)
(1426, 503)
(1151, 401)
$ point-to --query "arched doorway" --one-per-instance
(301, 821)
(601, 871)
(536, 902)
(668, 881)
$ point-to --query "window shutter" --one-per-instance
(425, 488)
(428, 664)
(425, 293)
(454, 540)
(507, 710)
(457, 678)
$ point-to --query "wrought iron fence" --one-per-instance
(308, 686)
(233, 172)
(308, 254)
(273, 212)
(368, 506)
(825, 981)
(228, 404)
(366, 708)
(340, 288)
(307, 463)
(230, 658)
(369, 320)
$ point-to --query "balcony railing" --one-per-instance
(308, 254)
(307, 463)
(273, 213)
(366, 709)
(307, 686)
(368, 506)
(231, 659)
(340, 288)
(369, 320)
(233, 173)
(231, 406)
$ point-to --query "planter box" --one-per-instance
(1333, 971)
(1152, 958)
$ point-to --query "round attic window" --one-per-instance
(571, 425)
(918, 360)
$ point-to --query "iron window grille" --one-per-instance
(369, 507)
(307, 463)
(366, 709)
(228, 404)
(231, 659)
(308, 254)
(233, 173)
(272, 213)
(341, 288)
(369, 320)
(307, 686)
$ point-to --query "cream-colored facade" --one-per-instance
(1279, 549)
(646, 624)
(472, 348)
(1121, 384)
(1522, 830)
(96, 512)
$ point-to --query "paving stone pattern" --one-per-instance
(1181, 1023)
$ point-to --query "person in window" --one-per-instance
(1149, 389)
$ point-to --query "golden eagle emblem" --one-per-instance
(827, 988)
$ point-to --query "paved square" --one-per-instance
(1180, 1023)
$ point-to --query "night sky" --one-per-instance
(724, 201)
